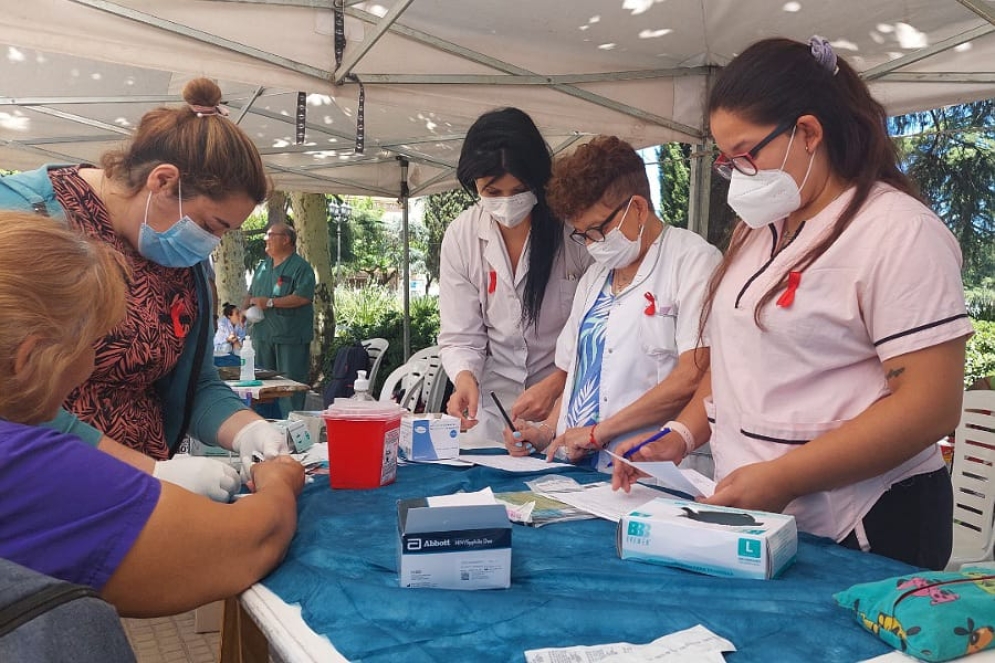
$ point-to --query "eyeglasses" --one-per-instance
(273, 234)
(596, 233)
(744, 162)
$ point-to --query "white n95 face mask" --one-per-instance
(768, 196)
(510, 211)
(616, 250)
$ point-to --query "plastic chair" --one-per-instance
(376, 348)
(410, 379)
(422, 379)
(435, 384)
(973, 480)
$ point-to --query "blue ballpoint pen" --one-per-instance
(652, 438)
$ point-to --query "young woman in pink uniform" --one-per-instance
(836, 320)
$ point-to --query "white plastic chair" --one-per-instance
(376, 348)
(421, 378)
(409, 379)
(973, 480)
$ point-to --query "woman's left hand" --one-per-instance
(535, 403)
(759, 486)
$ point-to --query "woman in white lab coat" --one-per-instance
(631, 347)
(837, 321)
(506, 279)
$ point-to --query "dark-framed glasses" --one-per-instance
(597, 233)
(744, 162)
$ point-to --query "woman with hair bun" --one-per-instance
(836, 319)
(163, 200)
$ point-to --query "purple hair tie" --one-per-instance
(824, 54)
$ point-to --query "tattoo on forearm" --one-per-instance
(894, 373)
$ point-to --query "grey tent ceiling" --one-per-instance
(76, 75)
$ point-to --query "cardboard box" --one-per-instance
(715, 540)
(299, 437)
(453, 547)
(431, 436)
(314, 421)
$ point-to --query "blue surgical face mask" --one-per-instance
(183, 244)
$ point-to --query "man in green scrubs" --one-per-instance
(283, 287)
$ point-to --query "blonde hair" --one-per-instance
(60, 288)
(215, 157)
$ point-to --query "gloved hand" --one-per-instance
(204, 476)
(259, 438)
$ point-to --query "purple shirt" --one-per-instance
(66, 509)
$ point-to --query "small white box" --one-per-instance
(431, 436)
(315, 423)
(714, 540)
(298, 435)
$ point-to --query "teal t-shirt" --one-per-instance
(294, 276)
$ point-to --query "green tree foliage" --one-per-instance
(675, 182)
(373, 245)
(949, 154)
(440, 210)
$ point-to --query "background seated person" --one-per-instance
(70, 511)
(229, 336)
(631, 345)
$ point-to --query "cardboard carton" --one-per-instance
(714, 540)
(430, 436)
(453, 547)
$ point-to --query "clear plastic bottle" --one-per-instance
(248, 361)
(362, 388)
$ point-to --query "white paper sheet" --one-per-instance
(696, 644)
(670, 476)
(599, 499)
(485, 496)
(512, 463)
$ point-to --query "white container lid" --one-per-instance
(347, 408)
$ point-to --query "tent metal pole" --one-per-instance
(353, 58)
(405, 260)
(945, 45)
(701, 187)
(500, 65)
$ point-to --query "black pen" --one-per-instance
(503, 412)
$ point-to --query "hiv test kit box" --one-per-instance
(714, 540)
(430, 436)
(453, 547)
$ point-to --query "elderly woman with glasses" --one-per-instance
(836, 320)
(631, 347)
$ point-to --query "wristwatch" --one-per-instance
(269, 303)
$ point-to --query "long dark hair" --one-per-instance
(506, 141)
(775, 80)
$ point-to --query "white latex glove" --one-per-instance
(204, 476)
(261, 439)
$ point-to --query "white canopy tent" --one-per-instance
(77, 74)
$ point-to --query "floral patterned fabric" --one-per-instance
(120, 398)
(583, 407)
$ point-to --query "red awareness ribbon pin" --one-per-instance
(491, 282)
(651, 305)
(788, 297)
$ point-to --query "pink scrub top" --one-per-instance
(890, 285)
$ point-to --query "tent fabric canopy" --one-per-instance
(78, 74)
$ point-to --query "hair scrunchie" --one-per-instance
(824, 54)
(204, 111)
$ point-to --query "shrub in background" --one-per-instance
(980, 352)
(375, 312)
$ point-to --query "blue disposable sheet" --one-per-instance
(568, 587)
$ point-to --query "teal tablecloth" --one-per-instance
(568, 587)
